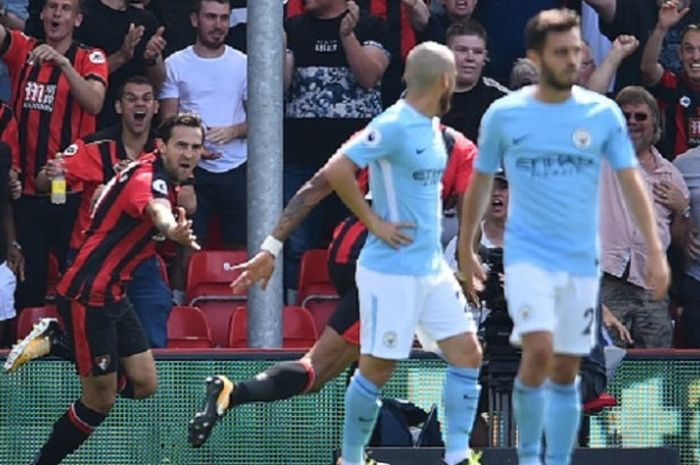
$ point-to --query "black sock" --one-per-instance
(280, 381)
(69, 432)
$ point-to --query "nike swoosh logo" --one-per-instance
(419, 151)
(517, 140)
(364, 420)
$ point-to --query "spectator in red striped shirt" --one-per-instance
(58, 87)
(678, 94)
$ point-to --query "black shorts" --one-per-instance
(346, 317)
(101, 335)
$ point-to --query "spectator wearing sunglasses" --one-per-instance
(623, 254)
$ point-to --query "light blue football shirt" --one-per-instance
(406, 156)
(552, 154)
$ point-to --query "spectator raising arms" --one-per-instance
(335, 61)
(59, 87)
(676, 93)
(133, 43)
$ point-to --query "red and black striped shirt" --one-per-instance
(679, 101)
(48, 116)
(349, 236)
(90, 162)
(120, 235)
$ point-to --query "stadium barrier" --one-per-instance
(507, 456)
(658, 394)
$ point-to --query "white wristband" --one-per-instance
(272, 245)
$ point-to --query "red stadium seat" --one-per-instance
(321, 308)
(218, 315)
(599, 403)
(313, 272)
(210, 273)
(188, 329)
(298, 329)
(593, 407)
(316, 292)
(314, 281)
(30, 315)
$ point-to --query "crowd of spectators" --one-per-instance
(90, 79)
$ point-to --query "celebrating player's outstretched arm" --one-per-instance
(261, 266)
(178, 230)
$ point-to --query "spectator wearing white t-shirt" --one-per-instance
(209, 78)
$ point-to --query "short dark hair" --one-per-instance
(197, 4)
(467, 27)
(136, 79)
(190, 120)
(554, 20)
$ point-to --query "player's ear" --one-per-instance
(534, 57)
(118, 108)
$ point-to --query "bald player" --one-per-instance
(405, 286)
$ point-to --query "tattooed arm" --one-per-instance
(260, 267)
(307, 197)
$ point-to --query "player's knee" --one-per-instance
(538, 356)
(317, 372)
(463, 351)
(378, 371)
(565, 369)
(317, 386)
(470, 355)
(100, 401)
(145, 387)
